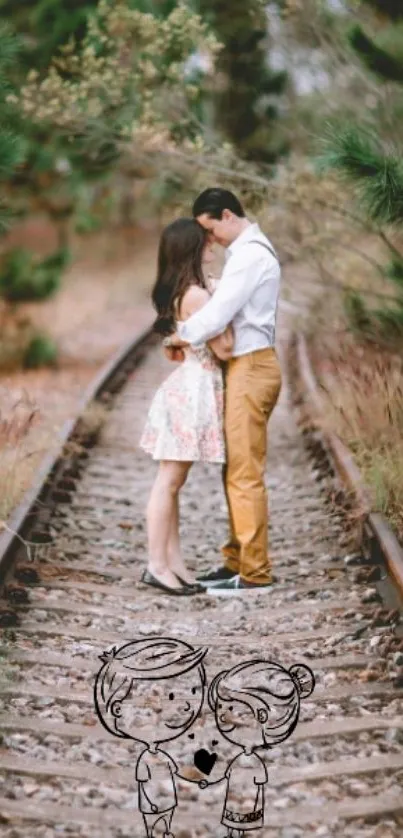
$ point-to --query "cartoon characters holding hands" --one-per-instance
(152, 691)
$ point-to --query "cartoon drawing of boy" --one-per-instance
(152, 691)
(256, 705)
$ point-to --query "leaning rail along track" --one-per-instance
(340, 773)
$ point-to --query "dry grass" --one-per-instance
(363, 389)
(16, 421)
(19, 430)
(364, 383)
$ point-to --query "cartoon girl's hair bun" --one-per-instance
(303, 678)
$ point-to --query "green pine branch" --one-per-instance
(386, 66)
(390, 321)
(376, 175)
(12, 152)
(45, 25)
(390, 8)
(10, 46)
(394, 272)
(357, 313)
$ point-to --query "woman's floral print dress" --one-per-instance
(185, 420)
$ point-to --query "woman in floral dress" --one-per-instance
(185, 420)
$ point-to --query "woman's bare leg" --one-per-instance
(161, 512)
(175, 560)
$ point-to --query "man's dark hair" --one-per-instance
(214, 201)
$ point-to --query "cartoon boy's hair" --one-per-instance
(153, 659)
(258, 681)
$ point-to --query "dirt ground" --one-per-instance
(103, 302)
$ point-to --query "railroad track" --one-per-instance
(339, 774)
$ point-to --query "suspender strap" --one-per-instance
(267, 246)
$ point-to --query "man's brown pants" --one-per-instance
(253, 384)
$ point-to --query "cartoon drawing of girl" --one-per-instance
(152, 691)
(257, 706)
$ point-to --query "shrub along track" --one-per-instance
(339, 774)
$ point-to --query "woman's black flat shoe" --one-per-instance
(198, 589)
(148, 579)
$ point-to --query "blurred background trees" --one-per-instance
(28, 172)
(68, 167)
(105, 95)
(246, 90)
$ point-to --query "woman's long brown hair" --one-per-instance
(179, 266)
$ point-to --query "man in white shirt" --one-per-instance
(247, 297)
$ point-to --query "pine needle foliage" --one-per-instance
(357, 313)
(386, 66)
(45, 25)
(394, 272)
(390, 323)
(371, 160)
(13, 144)
(392, 9)
(358, 156)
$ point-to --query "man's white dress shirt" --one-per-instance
(246, 296)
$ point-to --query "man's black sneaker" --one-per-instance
(236, 585)
(216, 576)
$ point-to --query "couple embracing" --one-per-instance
(215, 406)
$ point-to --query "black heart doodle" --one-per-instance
(191, 736)
(204, 761)
(214, 742)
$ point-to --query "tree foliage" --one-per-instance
(247, 89)
(114, 94)
(389, 8)
(128, 77)
(12, 140)
(35, 176)
(45, 25)
(360, 158)
(369, 155)
(383, 55)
